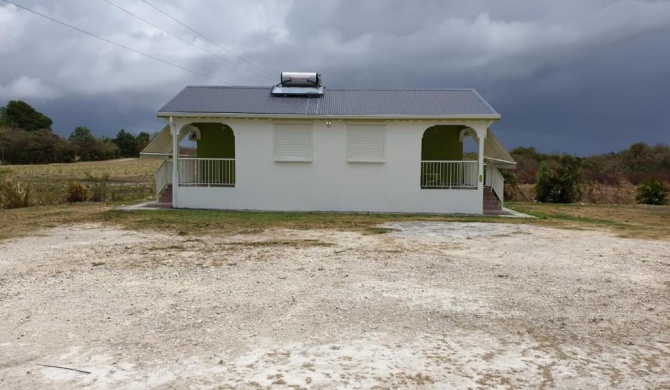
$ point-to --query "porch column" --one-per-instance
(481, 130)
(175, 160)
(480, 157)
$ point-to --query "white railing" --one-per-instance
(163, 176)
(449, 174)
(497, 183)
(207, 172)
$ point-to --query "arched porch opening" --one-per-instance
(210, 158)
(443, 165)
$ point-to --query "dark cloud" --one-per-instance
(576, 76)
(103, 115)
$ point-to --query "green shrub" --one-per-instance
(652, 192)
(559, 185)
(511, 188)
(75, 192)
(14, 195)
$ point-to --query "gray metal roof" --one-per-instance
(335, 102)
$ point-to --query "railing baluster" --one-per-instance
(207, 171)
(448, 174)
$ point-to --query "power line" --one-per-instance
(182, 39)
(204, 37)
(115, 43)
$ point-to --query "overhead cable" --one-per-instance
(208, 39)
(182, 39)
(115, 43)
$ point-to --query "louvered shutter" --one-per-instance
(366, 143)
(293, 142)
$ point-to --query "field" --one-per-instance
(125, 179)
(94, 297)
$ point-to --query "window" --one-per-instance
(293, 142)
(366, 143)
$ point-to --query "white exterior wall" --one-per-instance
(329, 182)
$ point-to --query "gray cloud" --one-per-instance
(578, 76)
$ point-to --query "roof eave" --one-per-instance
(494, 117)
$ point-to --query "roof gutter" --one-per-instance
(497, 160)
(291, 116)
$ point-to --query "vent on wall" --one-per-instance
(299, 84)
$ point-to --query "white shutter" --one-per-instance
(293, 142)
(366, 143)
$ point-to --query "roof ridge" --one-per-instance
(254, 99)
(229, 86)
(401, 89)
(335, 89)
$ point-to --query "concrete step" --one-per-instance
(496, 212)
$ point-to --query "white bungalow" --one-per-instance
(298, 146)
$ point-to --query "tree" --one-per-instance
(143, 140)
(89, 148)
(528, 161)
(560, 184)
(34, 147)
(83, 142)
(127, 144)
(19, 114)
(652, 192)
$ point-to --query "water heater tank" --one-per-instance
(300, 79)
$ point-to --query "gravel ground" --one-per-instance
(429, 305)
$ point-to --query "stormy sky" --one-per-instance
(573, 76)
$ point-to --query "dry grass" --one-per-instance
(126, 179)
(622, 193)
(596, 193)
(128, 170)
(20, 222)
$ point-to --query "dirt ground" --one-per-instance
(429, 305)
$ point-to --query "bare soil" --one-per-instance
(429, 305)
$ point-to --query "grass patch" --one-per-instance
(378, 230)
(633, 221)
(231, 222)
(20, 222)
